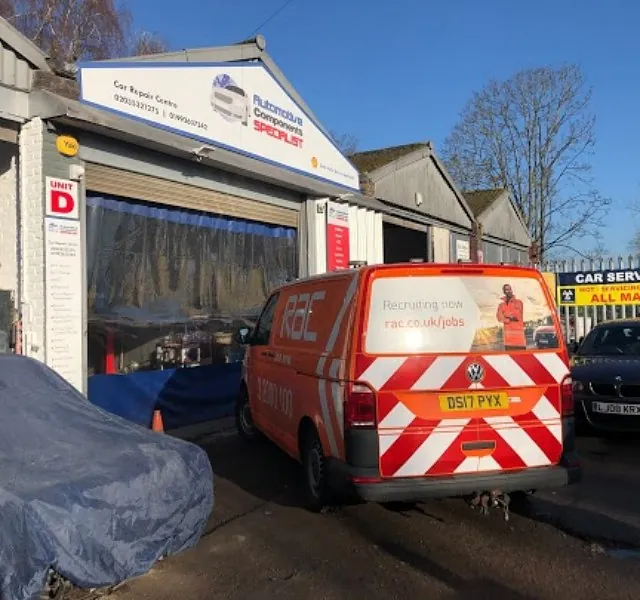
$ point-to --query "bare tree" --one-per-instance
(598, 250)
(148, 43)
(533, 133)
(347, 143)
(71, 30)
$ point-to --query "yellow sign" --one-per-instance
(550, 280)
(67, 145)
(626, 294)
(473, 401)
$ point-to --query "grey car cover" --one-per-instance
(87, 493)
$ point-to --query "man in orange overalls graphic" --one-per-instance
(510, 314)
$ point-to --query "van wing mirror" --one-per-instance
(242, 335)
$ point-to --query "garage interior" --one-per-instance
(402, 243)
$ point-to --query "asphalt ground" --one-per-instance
(260, 543)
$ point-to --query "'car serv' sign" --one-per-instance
(617, 287)
(238, 106)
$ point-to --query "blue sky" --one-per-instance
(348, 58)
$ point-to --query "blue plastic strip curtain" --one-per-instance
(167, 283)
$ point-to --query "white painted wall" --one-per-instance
(32, 221)
(8, 207)
(441, 244)
(365, 235)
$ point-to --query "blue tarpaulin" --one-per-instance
(185, 396)
(85, 492)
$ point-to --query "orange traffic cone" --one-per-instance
(156, 423)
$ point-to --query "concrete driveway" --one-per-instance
(260, 544)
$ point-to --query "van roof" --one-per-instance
(450, 268)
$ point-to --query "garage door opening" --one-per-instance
(401, 244)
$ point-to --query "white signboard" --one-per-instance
(463, 251)
(63, 281)
(240, 107)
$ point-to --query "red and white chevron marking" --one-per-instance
(411, 446)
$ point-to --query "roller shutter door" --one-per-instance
(126, 184)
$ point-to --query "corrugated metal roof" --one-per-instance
(481, 200)
(370, 160)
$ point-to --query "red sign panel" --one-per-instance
(62, 198)
(337, 236)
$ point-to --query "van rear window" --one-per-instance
(457, 314)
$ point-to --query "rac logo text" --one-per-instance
(297, 314)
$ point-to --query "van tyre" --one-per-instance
(244, 421)
(314, 471)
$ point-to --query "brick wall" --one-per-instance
(8, 239)
(32, 225)
(39, 159)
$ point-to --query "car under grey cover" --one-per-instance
(87, 493)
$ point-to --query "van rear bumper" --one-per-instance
(417, 489)
(360, 472)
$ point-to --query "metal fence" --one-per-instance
(579, 320)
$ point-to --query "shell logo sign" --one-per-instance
(314, 162)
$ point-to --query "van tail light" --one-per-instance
(566, 397)
(360, 407)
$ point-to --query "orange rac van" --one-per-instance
(411, 381)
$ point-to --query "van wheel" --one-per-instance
(315, 476)
(244, 421)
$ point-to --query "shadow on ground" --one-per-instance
(390, 540)
(269, 475)
(584, 524)
(261, 469)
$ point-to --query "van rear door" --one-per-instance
(461, 386)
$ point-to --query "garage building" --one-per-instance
(158, 201)
(505, 238)
(426, 215)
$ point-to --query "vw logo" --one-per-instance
(475, 372)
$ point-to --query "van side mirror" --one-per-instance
(242, 336)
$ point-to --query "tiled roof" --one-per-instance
(481, 200)
(369, 161)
